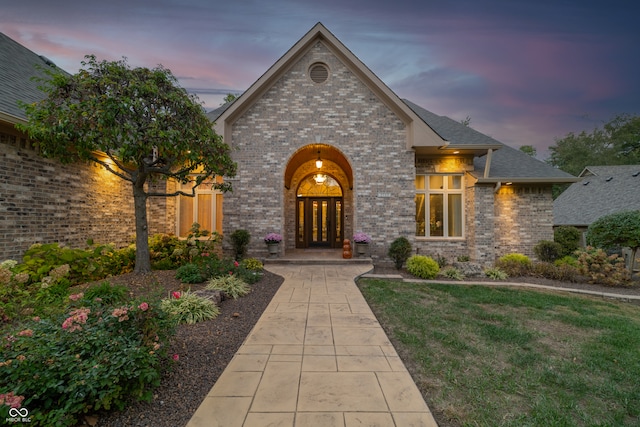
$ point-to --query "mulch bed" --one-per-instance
(204, 350)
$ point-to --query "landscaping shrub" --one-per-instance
(567, 237)
(231, 285)
(399, 251)
(252, 264)
(601, 268)
(106, 293)
(548, 251)
(453, 273)
(186, 307)
(495, 273)
(167, 252)
(422, 266)
(89, 358)
(190, 273)
(240, 241)
(567, 260)
(463, 258)
(563, 272)
(514, 264)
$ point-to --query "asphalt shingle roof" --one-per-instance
(507, 162)
(17, 67)
(603, 190)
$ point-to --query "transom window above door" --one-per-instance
(319, 185)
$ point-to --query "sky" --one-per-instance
(526, 72)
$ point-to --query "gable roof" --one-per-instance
(419, 133)
(18, 66)
(602, 190)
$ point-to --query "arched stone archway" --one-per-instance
(313, 219)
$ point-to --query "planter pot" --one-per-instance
(274, 249)
(362, 249)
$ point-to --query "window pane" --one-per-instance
(436, 215)
(300, 221)
(455, 182)
(219, 213)
(419, 182)
(420, 216)
(338, 220)
(325, 229)
(205, 211)
(454, 205)
(186, 215)
(436, 182)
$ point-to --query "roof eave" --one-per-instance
(528, 180)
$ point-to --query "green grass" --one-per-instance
(485, 356)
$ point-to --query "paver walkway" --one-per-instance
(316, 358)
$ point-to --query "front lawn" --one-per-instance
(485, 356)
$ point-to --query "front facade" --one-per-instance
(324, 150)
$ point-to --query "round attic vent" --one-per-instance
(318, 72)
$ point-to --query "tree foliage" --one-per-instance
(529, 149)
(137, 123)
(618, 229)
(617, 142)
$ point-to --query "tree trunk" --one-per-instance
(143, 257)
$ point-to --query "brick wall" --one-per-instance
(524, 216)
(44, 201)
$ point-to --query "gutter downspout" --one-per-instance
(497, 187)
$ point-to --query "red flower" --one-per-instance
(176, 295)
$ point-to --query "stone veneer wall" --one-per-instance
(348, 116)
(44, 201)
(524, 216)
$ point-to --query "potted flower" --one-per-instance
(362, 241)
(273, 242)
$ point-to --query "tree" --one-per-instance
(618, 229)
(230, 97)
(137, 123)
(616, 143)
(466, 121)
(529, 149)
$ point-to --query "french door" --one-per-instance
(319, 222)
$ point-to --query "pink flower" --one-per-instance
(236, 264)
(205, 254)
(25, 333)
(11, 400)
(36, 319)
(176, 295)
(144, 306)
(76, 297)
(175, 357)
(121, 314)
(76, 317)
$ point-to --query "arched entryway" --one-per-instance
(318, 198)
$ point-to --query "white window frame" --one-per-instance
(445, 191)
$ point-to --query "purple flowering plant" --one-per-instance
(361, 237)
(272, 238)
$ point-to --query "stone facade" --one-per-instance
(524, 216)
(346, 115)
(44, 201)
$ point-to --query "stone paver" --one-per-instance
(317, 357)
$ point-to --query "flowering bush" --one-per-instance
(272, 238)
(86, 359)
(360, 237)
(601, 268)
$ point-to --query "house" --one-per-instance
(602, 190)
(324, 149)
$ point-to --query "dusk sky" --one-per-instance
(525, 72)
